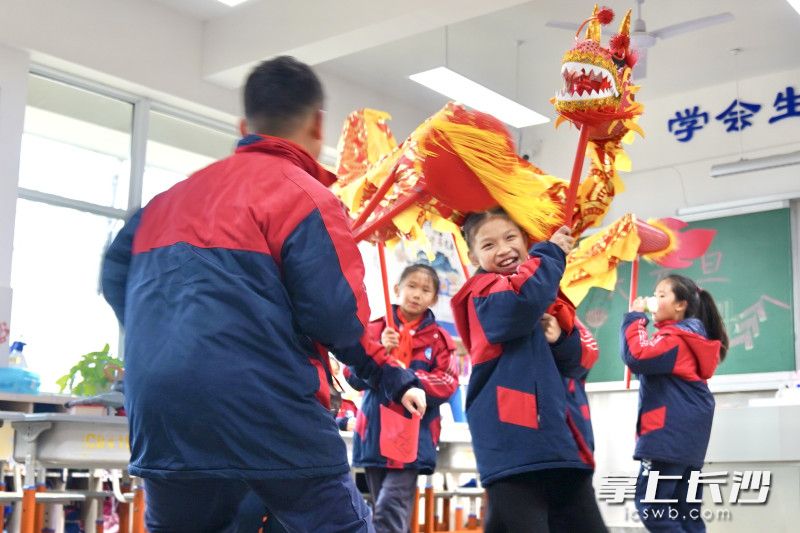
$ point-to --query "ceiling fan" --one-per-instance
(641, 39)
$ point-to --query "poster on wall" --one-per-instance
(444, 260)
(5, 324)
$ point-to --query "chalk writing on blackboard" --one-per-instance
(746, 324)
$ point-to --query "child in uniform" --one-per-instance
(535, 472)
(425, 348)
(676, 407)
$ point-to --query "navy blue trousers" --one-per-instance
(678, 516)
(310, 505)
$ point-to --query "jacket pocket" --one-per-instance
(517, 407)
(652, 420)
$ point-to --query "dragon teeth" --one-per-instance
(578, 95)
(594, 71)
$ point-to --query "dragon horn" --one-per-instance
(593, 31)
(625, 25)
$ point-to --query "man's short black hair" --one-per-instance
(279, 93)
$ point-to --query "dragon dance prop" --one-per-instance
(593, 263)
(461, 161)
(598, 96)
(457, 162)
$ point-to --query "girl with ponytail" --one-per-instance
(676, 407)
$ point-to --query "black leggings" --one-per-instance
(556, 500)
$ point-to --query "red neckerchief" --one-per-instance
(287, 150)
(407, 330)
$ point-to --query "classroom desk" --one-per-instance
(26, 403)
(57, 440)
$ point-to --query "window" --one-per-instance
(176, 148)
(78, 183)
(57, 306)
(77, 144)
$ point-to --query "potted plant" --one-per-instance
(93, 374)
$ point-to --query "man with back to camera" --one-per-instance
(232, 285)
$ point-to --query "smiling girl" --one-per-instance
(528, 454)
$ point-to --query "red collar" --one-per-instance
(665, 323)
(287, 150)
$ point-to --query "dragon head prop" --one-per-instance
(597, 91)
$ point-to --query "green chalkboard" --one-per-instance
(748, 270)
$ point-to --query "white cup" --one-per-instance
(651, 304)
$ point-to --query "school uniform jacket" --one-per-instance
(676, 408)
(433, 362)
(516, 400)
(231, 286)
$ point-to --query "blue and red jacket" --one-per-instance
(675, 406)
(516, 399)
(231, 286)
(433, 362)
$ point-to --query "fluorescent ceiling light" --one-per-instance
(464, 90)
(795, 4)
(232, 3)
(760, 163)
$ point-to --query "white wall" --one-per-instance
(13, 88)
(139, 46)
(668, 175)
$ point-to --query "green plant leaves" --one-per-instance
(88, 376)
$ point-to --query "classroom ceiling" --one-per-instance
(202, 9)
(378, 44)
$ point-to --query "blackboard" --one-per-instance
(748, 270)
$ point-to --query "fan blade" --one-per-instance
(562, 25)
(692, 25)
(640, 69)
(640, 40)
